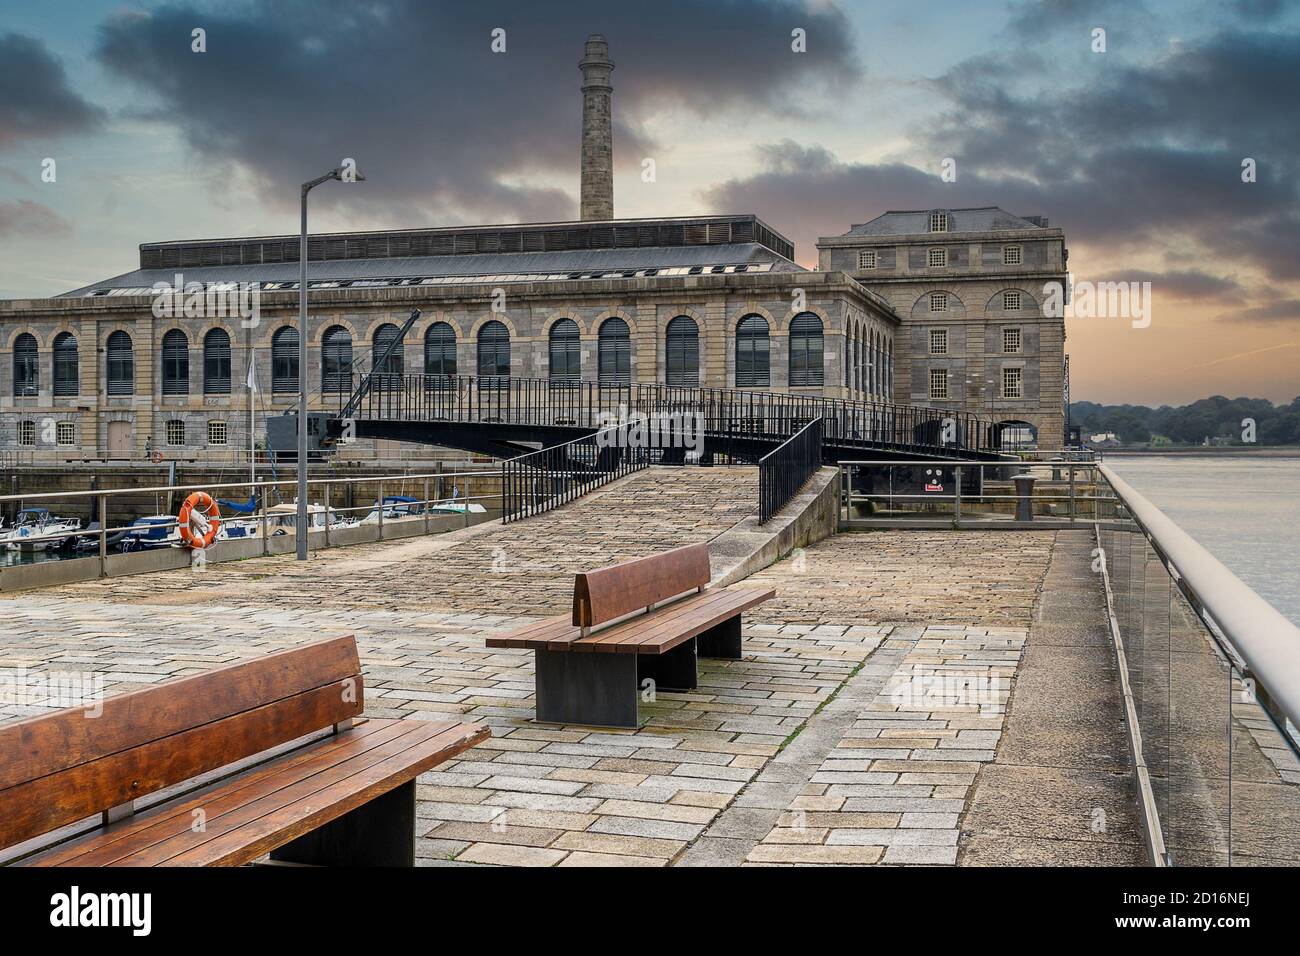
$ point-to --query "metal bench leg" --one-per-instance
(722, 640)
(378, 833)
(587, 687)
(672, 670)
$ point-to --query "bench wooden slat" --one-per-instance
(151, 826)
(250, 815)
(50, 743)
(651, 633)
(639, 638)
(603, 595)
(280, 826)
(46, 803)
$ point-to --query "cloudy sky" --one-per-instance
(1136, 152)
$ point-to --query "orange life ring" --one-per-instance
(202, 502)
(156, 458)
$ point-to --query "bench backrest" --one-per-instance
(66, 766)
(600, 596)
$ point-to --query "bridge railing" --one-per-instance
(549, 477)
(781, 473)
(721, 411)
(1210, 674)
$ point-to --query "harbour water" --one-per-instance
(1244, 509)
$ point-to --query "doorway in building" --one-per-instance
(119, 440)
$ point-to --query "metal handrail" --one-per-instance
(587, 404)
(1268, 642)
(785, 470)
(566, 471)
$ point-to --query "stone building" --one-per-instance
(967, 287)
(104, 370)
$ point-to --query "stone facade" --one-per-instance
(716, 303)
(986, 253)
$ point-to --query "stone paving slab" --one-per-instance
(823, 745)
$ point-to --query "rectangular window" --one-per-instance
(217, 433)
(938, 341)
(1011, 340)
(27, 432)
(938, 257)
(1013, 382)
(867, 260)
(938, 301)
(1011, 301)
(938, 222)
(176, 432)
(938, 383)
(1011, 255)
(65, 433)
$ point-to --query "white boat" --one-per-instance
(283, 518)
(150, 532)
(35, 529)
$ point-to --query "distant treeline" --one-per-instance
(1217, 418)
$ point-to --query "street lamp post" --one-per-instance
(337, 173)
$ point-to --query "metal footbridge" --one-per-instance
(507, 416)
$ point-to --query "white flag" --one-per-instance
(252, 373)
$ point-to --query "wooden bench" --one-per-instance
(592, 664)
(178, 775)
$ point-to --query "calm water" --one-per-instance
(1243, 510)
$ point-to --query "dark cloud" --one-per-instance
(1189, 285)
(1126, 153)
(33, 220)
(35, 100)
(807, 192)
(444, 128)
(1281, 311)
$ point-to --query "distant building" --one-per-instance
(931, 307)
(967, 286)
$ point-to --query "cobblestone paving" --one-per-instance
(930, 577)
(799, 752)
(894, 788)
(522, 568)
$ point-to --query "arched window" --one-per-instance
(614, 353)
(27, 375)
(385, 335)
(216, 363)
(806, 350)
(682, 352)
(873, 368)
(848, 357)
(440, 350)
(121, 364)
(565, 359)
(66, 381)
(336, 360)
(284, 359)
(857, 361)
(888, 368)
(753, 359)
(175, 363)
(494, 352)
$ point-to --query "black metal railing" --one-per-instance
(721, 411)
(781, 473)
(541, 480)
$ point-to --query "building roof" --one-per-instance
(524, 253)
(908, 222)
(501, 267)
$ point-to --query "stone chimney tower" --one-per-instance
(597, 131)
